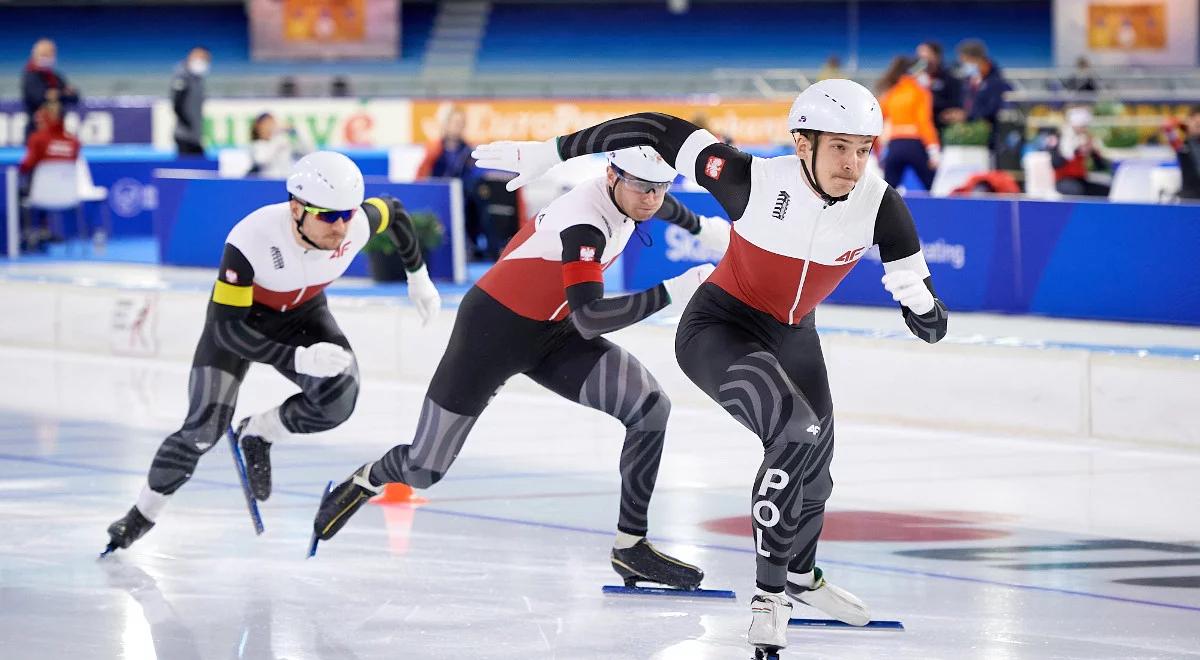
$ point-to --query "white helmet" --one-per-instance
(327, 179)
(644, 163)
(836, 106)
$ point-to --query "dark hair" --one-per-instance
(972, 48)
(899, 66)
(935, 46)
(256, 128)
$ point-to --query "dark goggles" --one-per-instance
(641, 185)
(329, 215)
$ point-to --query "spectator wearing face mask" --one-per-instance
(187, 98)
(946, 89)
(912, 142)
(983, 86)
(42, 83)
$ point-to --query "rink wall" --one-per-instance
(970, 384)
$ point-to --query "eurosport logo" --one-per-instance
(937, 252)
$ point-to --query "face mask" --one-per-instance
(197, 66)
(44, 62)
(970, 69)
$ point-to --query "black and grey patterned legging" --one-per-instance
(771, 378)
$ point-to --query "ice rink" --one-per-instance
(984, 546)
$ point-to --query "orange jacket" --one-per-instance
(908, 110)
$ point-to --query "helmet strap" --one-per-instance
(300, 229)
(829, 200)
(612, 195)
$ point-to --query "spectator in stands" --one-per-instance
(984, 87)
(41, 82)
(450, 157)
(339, 87)
(273, 149)
(1184, 137)
(287, 87)
(1081, 80)
(50, 142)
(1075, 158)
(831, 69)
(187, 97)
(908, 131)
(945, 86)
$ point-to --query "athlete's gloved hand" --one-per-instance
(424, 295)
(714, 233)
(908, 289)
(529, 160)
(322, 360)
(681, 287)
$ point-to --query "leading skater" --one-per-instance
(541, 311)
(748, 338)
(268, 305)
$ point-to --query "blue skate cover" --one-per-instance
(834, 623)
(668, 591)
(240, 464)
(312, 543)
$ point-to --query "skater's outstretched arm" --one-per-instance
(907, 277)
(386, 215)
(583, 279)
(694, 152)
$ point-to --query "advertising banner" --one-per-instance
(1126, 32)
(745, 122)
(94, 122)
(324, 29)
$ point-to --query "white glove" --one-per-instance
(908, 289)
(714, 234)
(529, 160)
(322, 360)
(424, 295)
(681, 287)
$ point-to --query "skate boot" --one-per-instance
(834, 601)
(256, 452)
(769, 616)
(123, 532)
(340, 503)
(643, 563)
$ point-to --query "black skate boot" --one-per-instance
(340, 503)
(642, 563)
(256, 452)
(123, 532)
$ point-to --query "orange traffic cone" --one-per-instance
(396, 493)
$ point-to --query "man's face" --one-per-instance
(841, 160)
(926, 53)
(456, 123)
(45, 51)
(632, 196)
(326, 235)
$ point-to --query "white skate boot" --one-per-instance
(769, 615)
(812, 590)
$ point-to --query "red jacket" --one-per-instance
(51, 142)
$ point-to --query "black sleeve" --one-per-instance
(232, 296)
(33, 92)
(678, 214)
(592, 313)
(719, 168)
(179, 90)
(896, 236)
(386, 215)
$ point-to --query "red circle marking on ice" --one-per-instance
(884, 526)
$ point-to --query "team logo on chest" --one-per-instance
(276, 258)
(340, 251)
(781, 205)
